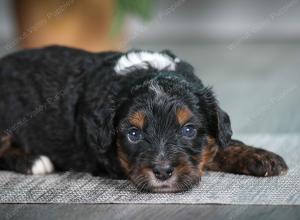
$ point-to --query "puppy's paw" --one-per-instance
(243, 159)
(41, 166)
(259, 162)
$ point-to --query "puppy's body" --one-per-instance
(125, 115)
(45, 100)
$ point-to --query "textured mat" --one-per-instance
(214, 188)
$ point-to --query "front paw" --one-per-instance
(259, 162)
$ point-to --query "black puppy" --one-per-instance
(140, 115)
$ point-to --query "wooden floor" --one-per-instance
(132, 212)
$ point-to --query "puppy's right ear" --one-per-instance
(99, 129)
(97, 109)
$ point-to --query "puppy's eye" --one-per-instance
(134, 135)
(188, 131)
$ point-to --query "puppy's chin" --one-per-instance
(147, 182)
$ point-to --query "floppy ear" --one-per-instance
(96, 110)
(218, 121)
(99, 129)
(222, 125)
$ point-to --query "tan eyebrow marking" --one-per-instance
(138, 119)
(183, 115)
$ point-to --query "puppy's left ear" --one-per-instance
(222, 127)
(218, 120)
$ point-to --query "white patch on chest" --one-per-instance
(142, 60)
(42, 165)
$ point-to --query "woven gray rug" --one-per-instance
(215, 188)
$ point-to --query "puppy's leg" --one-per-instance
(242, 159)
(14, 158)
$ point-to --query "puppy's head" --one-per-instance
(167, 132)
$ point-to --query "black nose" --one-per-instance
(163, 172)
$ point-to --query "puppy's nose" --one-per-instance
(163, 172)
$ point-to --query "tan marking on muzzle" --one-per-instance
(123, 158)
(207, 155)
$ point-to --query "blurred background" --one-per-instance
(249, 51)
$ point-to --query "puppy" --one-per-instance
(139, 115)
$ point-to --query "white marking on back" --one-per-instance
(142, 60)
(42, 165)
(156, 88)
(177, 60)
